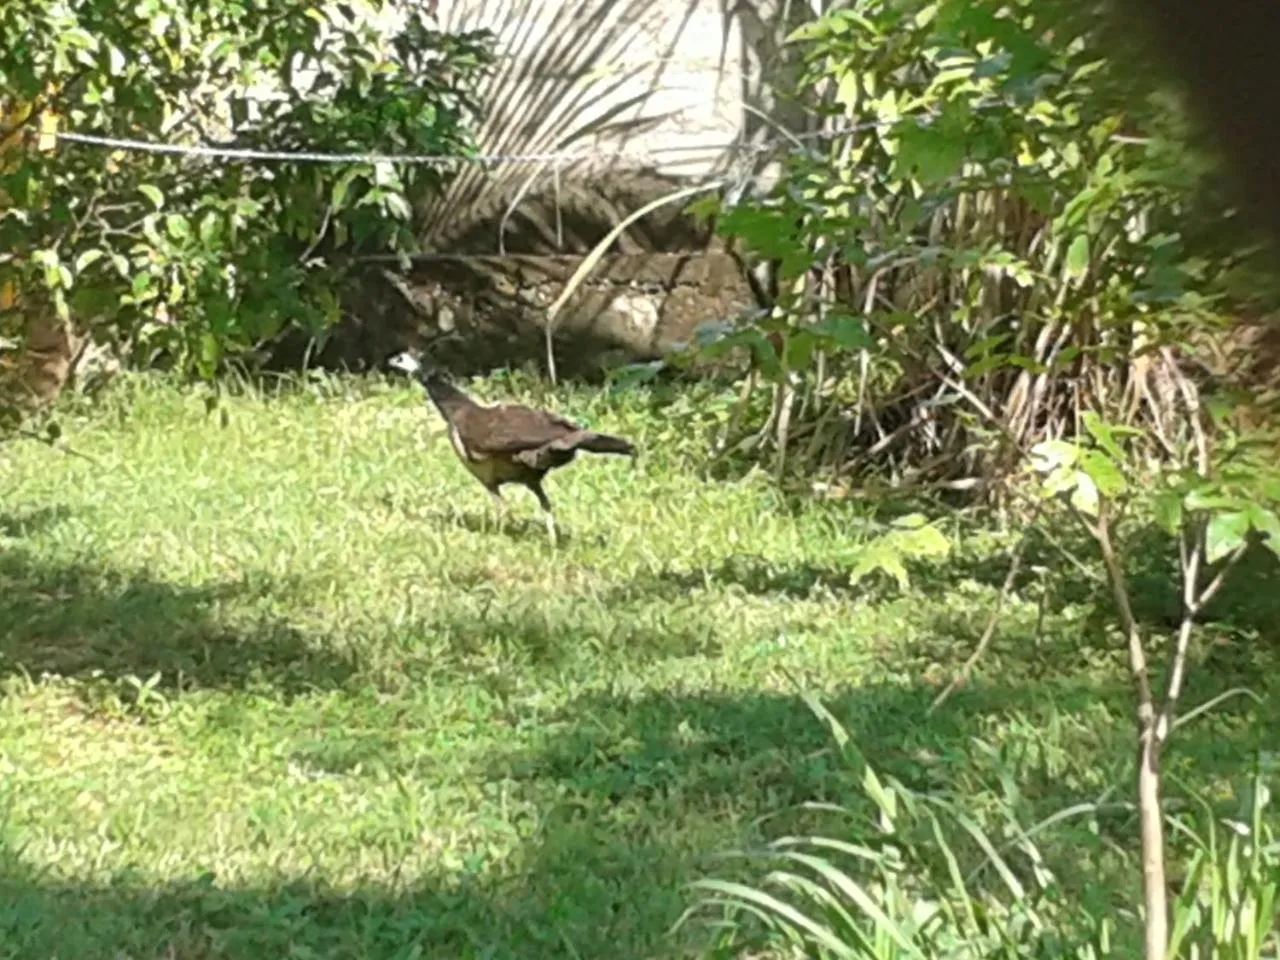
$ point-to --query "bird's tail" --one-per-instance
(605, 443)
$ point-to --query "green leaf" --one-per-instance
(88, 258)
(152, 193)
(1209, 497)
(1268, 524)
(845, 330)
(928, 541)
(912, 521)
(210, 227)
(1167, 506)
(1085, 495)
(847, 90)
(1225, 533)
(397, 206)
(177, 226)
(1104, 472)
(339, 195)
(1102, 433)
(1051, 454)
(770, 233)
(799, 350)
(1077, 263)
(928, 154)
(210, 354)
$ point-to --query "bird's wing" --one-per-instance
(510, 428)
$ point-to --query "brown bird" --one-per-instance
(508, 443)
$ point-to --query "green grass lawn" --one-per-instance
(272, 689)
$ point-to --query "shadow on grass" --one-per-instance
(633, 793)
(25, 523)
(634, 796)
(85, 621)
(513, 526)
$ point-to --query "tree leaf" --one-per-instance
(1077, 263)
(177, 226)
(799, 350)
(1050, 454)
(845, 330)
(152, 193)
(1268, 524)
(88, 258)
(1104, 472)
(1209, 497)
(1167, 507)
(928, 154)
(1102, 434)
(1085, 496)
(1225, 533)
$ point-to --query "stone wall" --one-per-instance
(474, 313)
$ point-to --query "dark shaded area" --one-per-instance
(636, 795)
(1249, 603)
(516, 525)
(25, 523)
(1221, 55)
(88, 621)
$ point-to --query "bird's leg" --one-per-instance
(499, 507)
(547, 512)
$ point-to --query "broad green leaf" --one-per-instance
(1077, 262)
(926, 15)
(396, 204)
(338, 196)
(799, 350)
(88, 258)
(152, 193)
(1167, 506)
(1085, 495)
(1209, 497)
(1102, 434)
(1225, 533)
(177, 226)
(991, 361)
(1104, 472)
(1266, 522)
(210, 227)
(912, 521)
(928, 154)
(846, 330)
(1060, 480)
(927, 541)
(985, 346)
(1051, 454)
(847, 90)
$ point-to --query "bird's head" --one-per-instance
(406, 362)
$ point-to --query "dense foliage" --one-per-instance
(1012, 233)
(194, 258)
(997, 276)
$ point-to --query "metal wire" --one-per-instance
(422, 159)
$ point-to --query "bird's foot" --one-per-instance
(551, 530)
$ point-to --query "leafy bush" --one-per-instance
(921, 876)
(1001, 242)
(193, 258)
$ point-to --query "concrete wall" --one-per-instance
(659, 81)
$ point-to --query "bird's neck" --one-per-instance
(449, 400)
